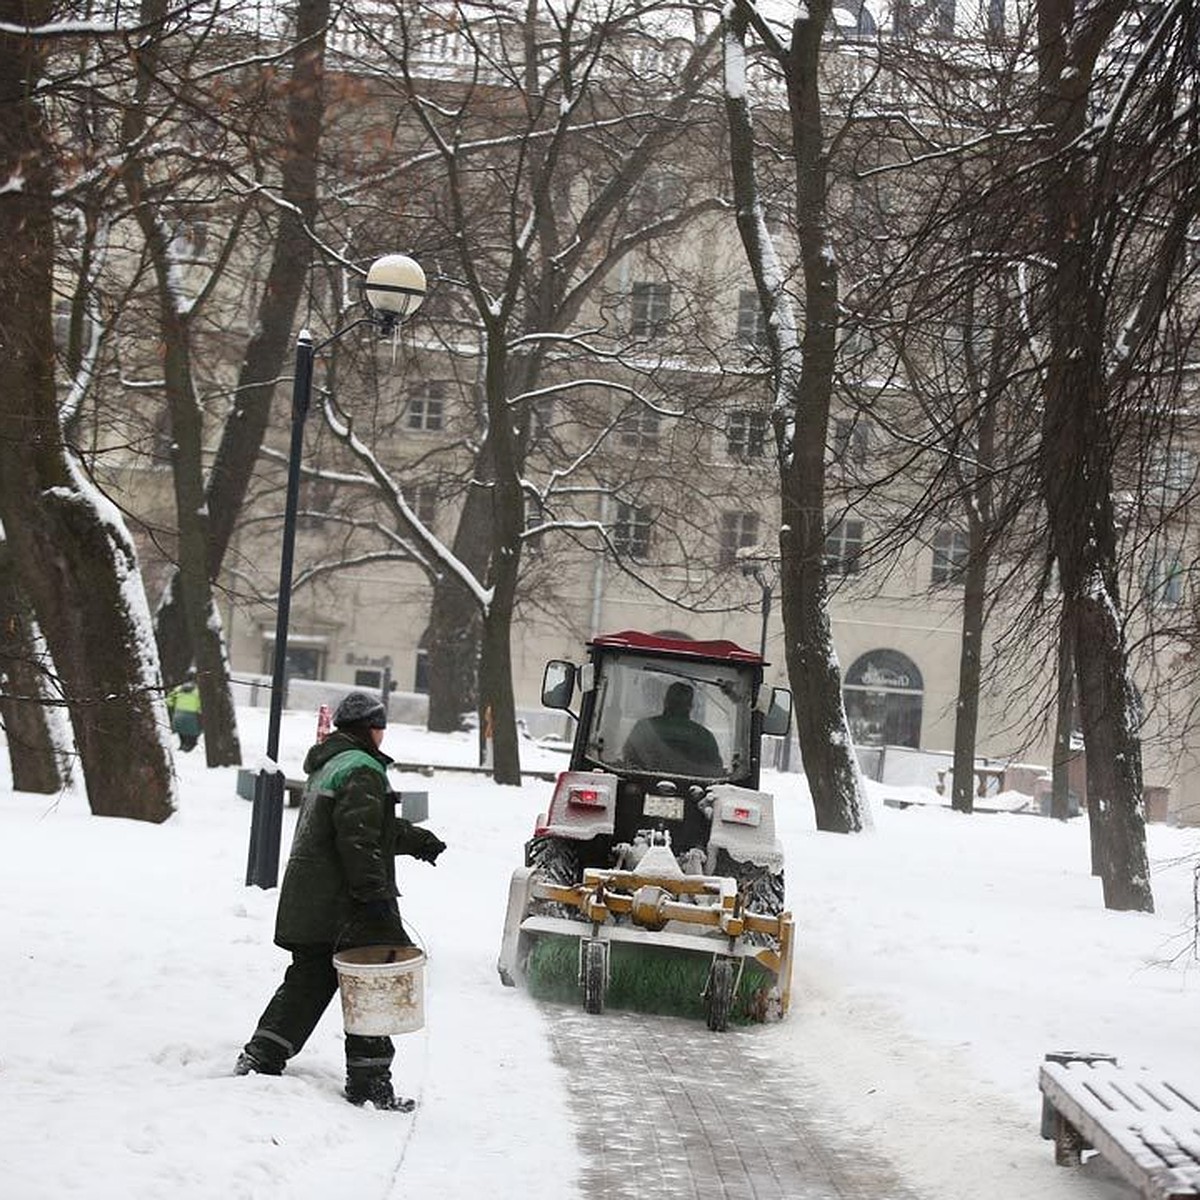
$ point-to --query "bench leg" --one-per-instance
(1068, 1144)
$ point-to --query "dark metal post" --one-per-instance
(266, 825)
(766, 615)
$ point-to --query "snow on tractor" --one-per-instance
(655, 880)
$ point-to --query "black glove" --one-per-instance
(429, 846)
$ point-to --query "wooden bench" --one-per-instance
(413, 806)
(1146, 1127)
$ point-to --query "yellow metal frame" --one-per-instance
(650, 901)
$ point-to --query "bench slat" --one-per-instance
(1147, 1129)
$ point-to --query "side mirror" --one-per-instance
(779, 715)
(558, 684)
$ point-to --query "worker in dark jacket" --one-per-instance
(339, 892)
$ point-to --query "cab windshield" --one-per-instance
(671, 718)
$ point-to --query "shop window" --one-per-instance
(883, 692)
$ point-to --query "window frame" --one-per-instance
(422, 405)
(650, 308)
(951, 548)
(737, 526)
(750, 441)
(631, 530)
(846, 557)
(751, 320)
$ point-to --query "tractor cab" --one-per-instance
(667, 709)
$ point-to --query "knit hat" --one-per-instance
(360, 708)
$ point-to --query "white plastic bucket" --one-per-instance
(383, 989)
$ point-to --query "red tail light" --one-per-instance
(586, 797)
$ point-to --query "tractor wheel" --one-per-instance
(594, 969)
(718, 995)
(555, 861)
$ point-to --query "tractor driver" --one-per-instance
(672, 741)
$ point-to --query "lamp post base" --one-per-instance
(266, 827)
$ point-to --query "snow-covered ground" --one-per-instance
(939, 958)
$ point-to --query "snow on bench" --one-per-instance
(1146, 1127)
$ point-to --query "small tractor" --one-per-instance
(655, 880)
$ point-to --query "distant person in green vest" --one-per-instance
(183, 704)
(338, 893)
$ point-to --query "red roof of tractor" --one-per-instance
(630, 639)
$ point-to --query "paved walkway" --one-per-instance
(666, 1110)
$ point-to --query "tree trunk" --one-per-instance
(76, 559)
(1064, 713)
(1114, 759)
(23, 690)
(496, 697)
(826, 748)
(455, 622)
(193, 588)
(970, 668)
(1077, 450)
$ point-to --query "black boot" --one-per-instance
(376, 1090)
(249, 1063)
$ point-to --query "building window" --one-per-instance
(426, 410)
(751, 322)
(631, 531)
(950, 552)
(541, 418)
(738, 531)
(843, 548)
(995, 18)
(854, 21)
(316, 500)
(912, 16)
(1164, 579)
(640, 430)
(658, 195)
(1172, 473)
(535, 518)
(63, 309)
(423, 500)
(746, 434)
(850, 441)
(651, 309)
(162, 442)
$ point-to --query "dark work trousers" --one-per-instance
(302, 998)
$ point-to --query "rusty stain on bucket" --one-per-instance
(382, 988)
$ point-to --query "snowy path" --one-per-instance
(666, 1110)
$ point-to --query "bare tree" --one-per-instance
(292, 201)
(1118, 191)
(77, 562)
(802, 363)
(38, 762)
(528, 228)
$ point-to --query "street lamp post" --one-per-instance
(393, 290)
(754, 571)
